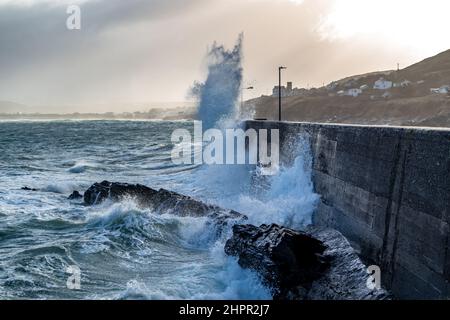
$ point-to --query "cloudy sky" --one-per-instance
(138, 51)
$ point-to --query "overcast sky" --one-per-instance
(138, 51)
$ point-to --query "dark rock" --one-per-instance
(29, 189)
(161, 201)
(75, 195)
(285, 259)
(346, 279)
(318, 264)
(100, 192)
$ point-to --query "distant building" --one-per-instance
(405, 83)
(364, 87)
(299, 91)
(289, 87)
(402, 84)
(288, 91)
(441, 90)
(353, 92)
(276, 91)
(382, 84)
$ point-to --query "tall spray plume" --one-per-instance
(219, 94)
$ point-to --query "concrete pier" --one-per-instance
(387, 189)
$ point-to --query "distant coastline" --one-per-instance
(154, 114)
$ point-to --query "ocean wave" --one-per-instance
(216, 277)
(127, 221)
(63, 187)
(80, 167)
(286, 198)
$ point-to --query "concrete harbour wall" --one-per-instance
(387, 190)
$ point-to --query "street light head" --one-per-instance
(282, 68)
(250, 88)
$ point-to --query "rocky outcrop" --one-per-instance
(75, 196)
(100, 192)
(161, 201)
(287, 260)
(318, 264)
(346, 278)
(29, 189)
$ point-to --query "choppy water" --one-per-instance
(123, 251)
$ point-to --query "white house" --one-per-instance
(402, 84)
(441, 90)
(382, 84)
(364, 87)
(354, 92)
(405, 83)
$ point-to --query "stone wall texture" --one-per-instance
(387, 190)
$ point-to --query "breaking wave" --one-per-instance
(80, 167)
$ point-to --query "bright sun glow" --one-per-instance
(418, 24)
(296, 1)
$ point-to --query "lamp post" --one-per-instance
(242, 96)
(279, 91)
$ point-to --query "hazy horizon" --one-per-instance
(137, 52)
(115, 107)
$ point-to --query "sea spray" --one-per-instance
(219, 94)
(285, 198)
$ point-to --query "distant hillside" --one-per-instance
(410, 102)
(435, 70)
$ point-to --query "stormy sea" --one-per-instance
(124, 251)
(121, 250)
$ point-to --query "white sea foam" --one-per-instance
(214, 276)
(80, 167)
(289, 199)
(64, 187)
